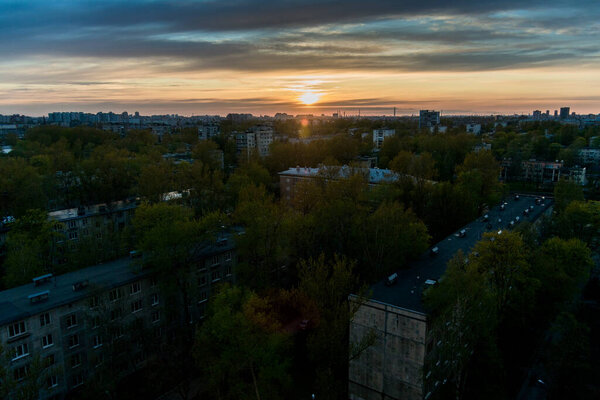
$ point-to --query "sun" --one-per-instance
(309, 97)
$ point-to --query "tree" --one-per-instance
(478, 175)
(565, 192)
(262, 248)
(329, 284)
(390, 236)
(29, 248)
(239, 358)
(155, 180)
(463, 323)
(20, 187)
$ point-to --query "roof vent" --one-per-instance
(77, 286)
(40, 280)
(393, 278)
(38, 297)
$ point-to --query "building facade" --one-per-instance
(428, 119)
(379, 136)
(62, 328)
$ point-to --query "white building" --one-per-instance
(206, 132)
(589, 156)
(257, 137)
(475, 129)
(379, 136)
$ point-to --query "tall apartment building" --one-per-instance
(564, 112)
(428, 118)
(257, 138)
(398, 365)
(73, 321)
(379, 136)
(206, 132)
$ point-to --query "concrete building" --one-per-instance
(374, 176)
(474, 129)
(379, 136)
(428, 118)
(69, 321)
(565, 112)
(541, 171)
(395, 366)
(257, 138)
(206, 132)
(589, 156)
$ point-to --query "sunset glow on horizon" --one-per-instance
(218, 57)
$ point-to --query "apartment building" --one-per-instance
(398, 365)
(379, 135)
(290, 178)
(61, 328)
(257, 138)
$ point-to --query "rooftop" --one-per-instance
(96, 209)
(407, 291)
(375, 175)
(15, 303)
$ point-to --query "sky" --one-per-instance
(299, 56)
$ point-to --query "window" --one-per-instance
(49, 360)
(98, 235)
(72, 224)
(228, 270)
(136, 306)
(21, 372)
(73, 341)
(84, 221)
(75, 360)
(154, 299)
(20, 351)
(153, 282)
(73, 235)
(51, 382)
(71, 321)
(97, 341)
(95, 322)
(117, 333)
(99, 360)
(202, 280)
(135, 287)
(215, 260)
(215, 275)
(203, 297)
(155, 316)
(16, 329)
(116, 313)
(94, 302)
(77, 380)
(45, 319)
(228, 256)
(114, 295)
(47, 341)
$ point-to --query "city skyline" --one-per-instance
(299, 57)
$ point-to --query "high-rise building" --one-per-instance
(564, 112)
(428, 118)
(379, 136)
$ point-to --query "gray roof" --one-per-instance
(96, 209)
(407, 291)
(15, 304)
(374, 175)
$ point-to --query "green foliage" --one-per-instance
(565, 192)
(28, 248)
(238, 358)
(329, 284)
(20, 187)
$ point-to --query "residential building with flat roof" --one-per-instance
(69, 321)
(393, 367)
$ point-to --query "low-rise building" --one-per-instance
(589, 156)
